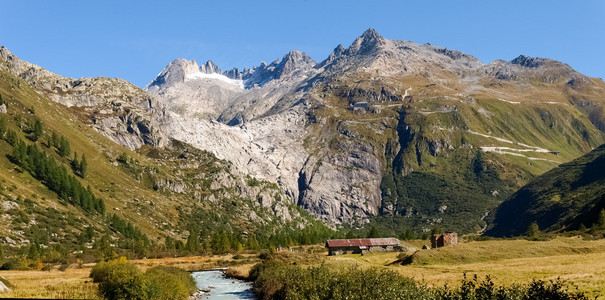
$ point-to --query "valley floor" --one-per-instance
(576, 261)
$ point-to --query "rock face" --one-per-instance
(116, 108)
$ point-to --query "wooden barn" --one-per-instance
(440, 240)
(361, 246)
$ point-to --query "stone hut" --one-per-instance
(361, 246)
(441, 240)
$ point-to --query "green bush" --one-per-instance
(119, 279)
(17, 263)
(170, 283)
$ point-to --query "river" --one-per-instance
(222, 287)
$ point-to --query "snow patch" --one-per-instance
(214, 76)
(512, 102)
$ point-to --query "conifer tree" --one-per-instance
(36, 130)
(75, 164)
(64, 148)
(193, 241)
(83, 168)
(54, 139)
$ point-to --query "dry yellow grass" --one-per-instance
(198, 263)
(71, 284)
(577, 262)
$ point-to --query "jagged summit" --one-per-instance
(367, 43)
(293, 61)
(528, 62)
(336, 53)
(4, 53)
(210, 68)
(371, 34)
(175, 72)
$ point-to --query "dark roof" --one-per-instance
(363, 242)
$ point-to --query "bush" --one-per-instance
(276, 280)
(170, 283)
(18, 263)
(119, 279)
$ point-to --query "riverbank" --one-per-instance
(74, 282)
(215, 284)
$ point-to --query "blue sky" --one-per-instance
(135, 40)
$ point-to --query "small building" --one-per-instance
(441, 240)
(361, 246)
(361, 105)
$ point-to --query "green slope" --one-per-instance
(452, 152)
(564, 198)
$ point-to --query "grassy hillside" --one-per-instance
(569, 197)
(452, 151)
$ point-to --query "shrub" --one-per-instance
(119, 279)
(170, 283)
(18, 263)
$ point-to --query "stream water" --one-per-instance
(222, 287)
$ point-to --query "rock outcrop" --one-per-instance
(116, 108)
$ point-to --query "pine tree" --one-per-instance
(36, 130)
(64, 148)
(3, 127)
(11, 137)
(34, 251)
(193, 241)
(75, 164)
(83, 166)
(54, 140)
(373, 232)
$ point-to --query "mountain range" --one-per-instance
(379, 130)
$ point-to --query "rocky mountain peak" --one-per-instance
(338, 50)
(176, 71)
(371, 34)
(234, 73)
(4, 53)
(528, 62)
(292, 62)
(210, 68)
(367, 43)
(336, 53)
